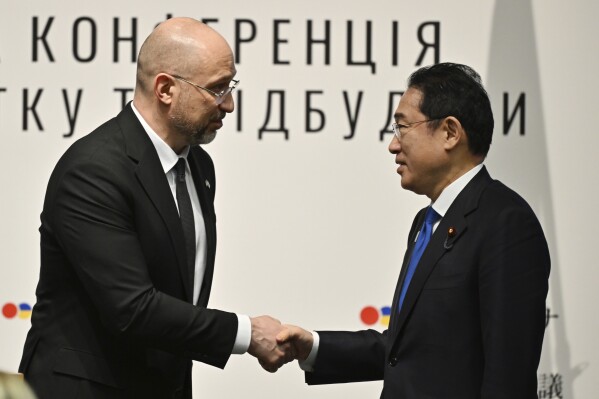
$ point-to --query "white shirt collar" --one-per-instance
(168, 157)
(449, 194)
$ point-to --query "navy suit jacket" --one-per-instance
(473, 319)
(114, 317)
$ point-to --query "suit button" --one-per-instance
(393, 361)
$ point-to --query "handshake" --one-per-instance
(275, 344)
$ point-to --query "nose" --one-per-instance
(228, 105)
(394, 145)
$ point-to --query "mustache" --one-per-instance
(219, 117)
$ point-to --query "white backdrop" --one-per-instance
(312, 229)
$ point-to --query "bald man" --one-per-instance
(128, 239)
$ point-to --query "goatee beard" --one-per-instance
(202, 137)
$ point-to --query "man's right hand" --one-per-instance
(264, 346)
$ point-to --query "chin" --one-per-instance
(404, 181)
(406, 184)
(203, 137)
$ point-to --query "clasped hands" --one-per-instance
(275, 344)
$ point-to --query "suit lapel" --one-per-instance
(441, 242)
(416, 225)
(203, 187)
(152, 178)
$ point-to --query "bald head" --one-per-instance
(180, 46)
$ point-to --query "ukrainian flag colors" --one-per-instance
(371, 315)
(22, 311)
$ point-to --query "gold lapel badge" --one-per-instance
(451, 233)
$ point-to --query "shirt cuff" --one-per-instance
(308, 364)
(244, 335)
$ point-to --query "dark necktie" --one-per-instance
(421, 242)
(186, 215)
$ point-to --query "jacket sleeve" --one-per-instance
(345, 356)
(513, 285)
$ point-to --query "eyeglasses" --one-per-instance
(400, 130)
(220, 96)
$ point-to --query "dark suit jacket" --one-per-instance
(473, 318)
(114, 317)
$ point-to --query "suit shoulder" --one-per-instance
(500, 194)
(104, 140)
(100, 154)
(104, 147)
(501, 203)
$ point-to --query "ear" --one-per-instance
(454, 133)
(164, 88)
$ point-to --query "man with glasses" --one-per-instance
(468, 314)
(128, 239)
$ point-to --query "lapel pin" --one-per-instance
(451, 233)
(207, 183)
